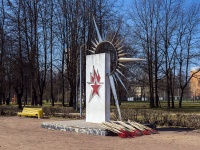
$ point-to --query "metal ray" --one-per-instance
(113, 37)
(116, 74)
(121, 64)
(91, 51)
(94, 44)
(124, 54)
(118, 44)
(119, 51)
(104, 37)
(108, 38)
(97, 30)
(120, 48)
(115, 34)
(120, 73)
(119, 67)
(130, 59)
(112, 84)
(114, 78)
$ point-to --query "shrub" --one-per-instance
(57, 111)
(8, 110)
(159, 117)
(48, 111)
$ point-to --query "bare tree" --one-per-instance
(2, 49)
(18, 61)
(35, 59)
(188, 39)
(165, 31)
(147, 27)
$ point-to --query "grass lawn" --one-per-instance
(187, 106)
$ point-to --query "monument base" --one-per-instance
(79, 126)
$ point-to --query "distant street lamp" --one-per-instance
(81, 79)
(77, 87)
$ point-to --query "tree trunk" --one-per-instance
(72, 102)
(181, 99)
(19, 100)
(51, 51)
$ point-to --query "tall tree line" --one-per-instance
(41, 41)
(167, 33)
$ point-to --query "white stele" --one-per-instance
(97, 88)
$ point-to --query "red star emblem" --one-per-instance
(95, 87)
(95, 83)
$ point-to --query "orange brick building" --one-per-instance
(195, 85)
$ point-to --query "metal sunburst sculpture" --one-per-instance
(117, 57)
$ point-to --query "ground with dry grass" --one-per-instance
(26, 134)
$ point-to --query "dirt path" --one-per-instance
(26, 134)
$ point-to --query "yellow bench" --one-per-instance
(31, 112)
